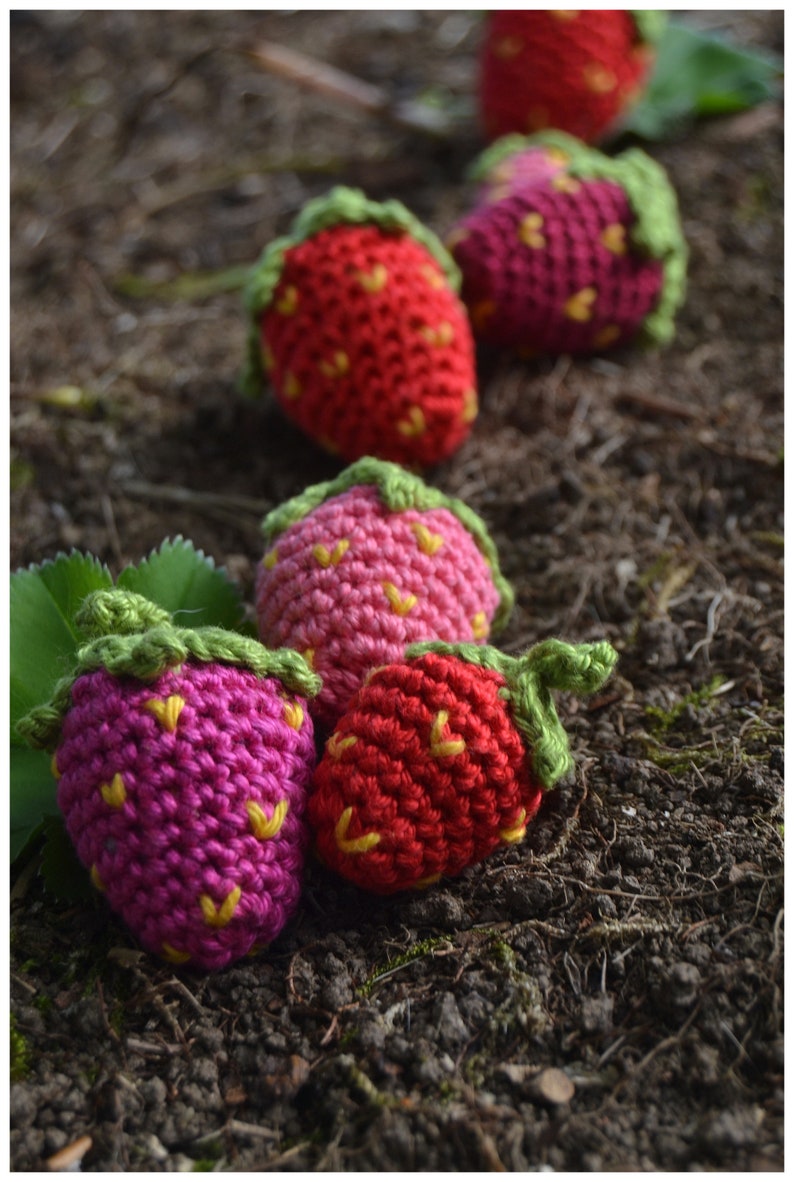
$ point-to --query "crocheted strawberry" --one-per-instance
(183, 759)
(356, 320)
(568, 250)
(443, 756)
(360, 566)
(575, 71)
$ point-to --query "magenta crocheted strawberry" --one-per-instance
(443, 756)
(183, 759)
(355, 319)
(360, 566)
(568, 250)
(576, 71)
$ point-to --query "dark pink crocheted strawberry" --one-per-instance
(183, 759)
(576, 71)
(443, 756)
(568, 250)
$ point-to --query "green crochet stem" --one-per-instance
(656, 231)
(550, 665)
(341, 206)
(132, 637)
(399, 490)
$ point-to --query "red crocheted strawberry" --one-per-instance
(183, 759)
(575, 71)
(356, 320)
(568, 250)
(444, 756)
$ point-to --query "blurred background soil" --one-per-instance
(634, 941)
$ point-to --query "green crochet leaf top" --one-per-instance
(131, 637)
(550, 665)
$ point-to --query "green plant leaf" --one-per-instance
(43, 649)
(699, 75)
(64, 874)
(43, 639)
(186, 583)
(32, 795)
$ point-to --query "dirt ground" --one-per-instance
(635, 940)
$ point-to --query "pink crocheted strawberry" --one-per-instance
(574, 71)
(443, 756)
(355, 318)
(568, 250)
(360, 566)
(183, 759)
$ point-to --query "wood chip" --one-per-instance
(70, 1156)
(551, 1086)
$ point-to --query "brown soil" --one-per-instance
(634, 941)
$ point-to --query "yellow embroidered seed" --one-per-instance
(479, 626)
(557, 156)
(564, 14)
(433, 277)
(580, 305)
(114, 793)
(607, 336)
(427, 881)
(528, 231)
(337, 367)
(598, 79)
(564, 183)
(374, 280)
(440, 336)
(292, 387)
(287, 303)
(614, 238)
(219, 917)
(400, 605)
(336, 745)
(428, 542)
(415, 424)
(166, 711)
(353, 845)
(507, 47)
(95, 879)
(516, 832)
(293, 715)
(333, 557)
(470, 406)
(54, 765)
(264, 827)
(308, 656)
(270, 559)
(174, 955)
(440, 747)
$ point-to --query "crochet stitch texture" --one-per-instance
(183, 785)
(359, 567)
(357, 322)
(575, 71)
(569, 251)
(443, 756)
